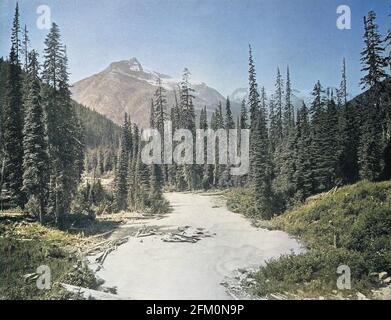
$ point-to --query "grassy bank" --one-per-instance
(350, 226)
(24, 246)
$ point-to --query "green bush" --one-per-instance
(92, 200)
(314, 273)
(351, 226)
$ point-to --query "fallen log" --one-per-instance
(91, 294)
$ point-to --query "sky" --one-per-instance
(210, 37)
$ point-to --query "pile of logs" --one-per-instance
(187, 235)
(104, 248)
(182, 234)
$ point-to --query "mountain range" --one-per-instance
(126, 86)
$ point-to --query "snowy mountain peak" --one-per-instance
(238, 95)
(127, 86)
(135, 65)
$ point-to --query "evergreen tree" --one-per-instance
(160, 116)
(318, 144)
(262, 170)
(287, 121)
(242, 124)
(226, 180)
(243, 116)
(342, 95)
(387, 42)
(186, 102)
(273, 127)
(65, 133)
(263, 105)
(190, 173)
(35, 161)
(15, 36)
(52, 55)
(229, 121)
(371, 57)
(253, 99)
(348, 133)
(370, 151)
(132, 169)
(332, 149)
(121, 177)
(303, 177)
(13, 121)
(254, 106)
(101, 162)
(143, 179)
(207, 174)
(151, 117)
(156, 183)
(25, 47)
(278, 99)
(218, 178)
(160, 109)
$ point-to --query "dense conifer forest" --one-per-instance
(48, 141)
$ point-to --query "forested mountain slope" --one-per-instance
(98, 130)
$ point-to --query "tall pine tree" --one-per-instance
(35, 161)
(13, 120)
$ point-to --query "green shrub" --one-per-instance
(351, 226)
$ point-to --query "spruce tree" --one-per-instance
(254, 107)
(373, 63)
(287, 121)
(207, 174)
(348, 132)
(278, 99)
(263, 104)
(160, 116)
(273, 126)
(160, 106)
(243, 116)
(152, 123)
(35, 160)
(218, 123)
(332, 149)
(15, 36)
(65, 134)
(284, 144)
(229, 121)
(190, 174)
(387, 45)
(143, 179)
(186, 102)
(342, 95)
(25, 47)
(121, 177)
(370, 151)
(229, 124)
(303, 177)
(156, 183)
(132, 169)
(243, 124)
(13, 121)
(253, 99)
(318, 134)
(262, 170)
